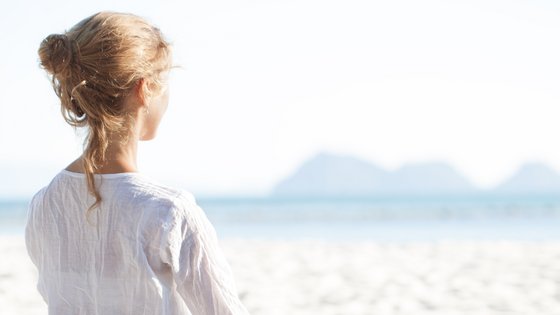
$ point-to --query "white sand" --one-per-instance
(322, 278)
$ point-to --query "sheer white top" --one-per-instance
(147, 249)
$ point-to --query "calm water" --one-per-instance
(379, 218)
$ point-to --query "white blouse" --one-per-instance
(147, 249)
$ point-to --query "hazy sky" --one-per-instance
(267, 84)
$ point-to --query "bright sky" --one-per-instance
(267, 84)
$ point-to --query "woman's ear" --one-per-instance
(143, 92)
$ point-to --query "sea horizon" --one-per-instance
(382, 218)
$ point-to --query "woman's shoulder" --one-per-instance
(37, 197)
(157, 190)
(174, 207)
(168, 198)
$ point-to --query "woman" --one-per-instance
(105, 238)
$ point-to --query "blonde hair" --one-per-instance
(93, 67)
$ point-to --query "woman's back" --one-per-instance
(147, 249)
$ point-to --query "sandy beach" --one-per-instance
(364, 277)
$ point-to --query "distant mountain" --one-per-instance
(428, 178)
(343, 175)
(531, 178)
(327, 174)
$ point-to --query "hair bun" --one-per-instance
(55, 53)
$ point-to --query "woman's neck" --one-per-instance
(119, 158)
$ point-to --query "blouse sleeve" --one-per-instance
(201, 272)
(33, 239)
(32, 229)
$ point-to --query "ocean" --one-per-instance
(390, 218)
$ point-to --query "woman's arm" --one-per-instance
(200, 270)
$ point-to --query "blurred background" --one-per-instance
(355, 157)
